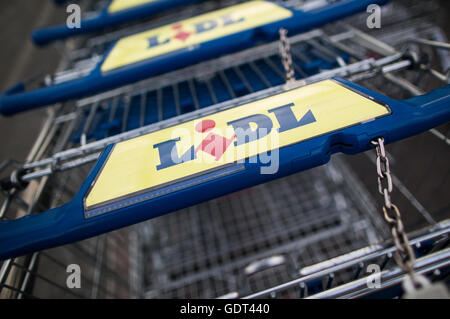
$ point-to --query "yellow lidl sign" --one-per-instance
(191, 32)
(121, 5)
(197, 147)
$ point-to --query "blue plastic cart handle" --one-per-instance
(60, 2)
(70, 223)
(17, 100)
(106, 19)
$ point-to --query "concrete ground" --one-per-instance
(19, 60)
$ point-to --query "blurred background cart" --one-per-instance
(312, 234)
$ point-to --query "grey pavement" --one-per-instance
(20, 59)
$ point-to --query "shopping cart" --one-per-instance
(113, 14)
(170, 47)
(311, 234)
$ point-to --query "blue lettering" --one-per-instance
(228, 19)
(287, 119)
(168, 154)
(154, 42)
(205, 26)
(245, 134)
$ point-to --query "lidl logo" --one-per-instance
(254, 130)
(244, 130)
(181, 34)
(189, 33)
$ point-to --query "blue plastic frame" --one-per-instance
(69, 223)
(104, 19)
(17, 100)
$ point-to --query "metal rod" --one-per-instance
(434, 44)
(143, 109)
(126, 112)
(440, 229)
(387, 278)
(243, 79)
(176, 96)
(193, 93)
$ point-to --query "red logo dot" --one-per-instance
(205, 126)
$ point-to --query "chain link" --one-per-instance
(404, 256)
(286, 58)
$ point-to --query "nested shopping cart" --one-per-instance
(311, 234)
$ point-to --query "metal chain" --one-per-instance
(404, 255)
(286, 58)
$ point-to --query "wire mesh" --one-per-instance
(308, 216)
